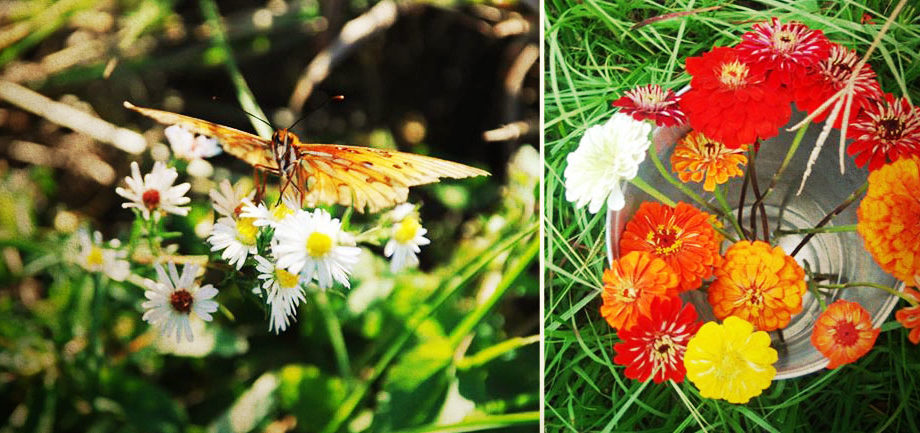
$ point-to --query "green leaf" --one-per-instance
(309, 393)
(251, 408)
(146, 407)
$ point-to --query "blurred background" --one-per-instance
(453, 343)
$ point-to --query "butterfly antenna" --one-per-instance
(215, 98)
(334, 98)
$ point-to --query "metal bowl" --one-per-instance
(840, 255)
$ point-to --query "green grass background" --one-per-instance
(591, 57)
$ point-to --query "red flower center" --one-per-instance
(734, 74)
(666, 239)
(181, 301)
(846, 334)
(238, 210)
(891, 128)
(151, 198)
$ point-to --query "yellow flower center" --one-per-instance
(666, 239)
(246, 231)
(94, 258)
(408, 227)
(281, 211)
(318, 244)
(285, 279)
(734, 74)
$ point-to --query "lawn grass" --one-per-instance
(592, 55)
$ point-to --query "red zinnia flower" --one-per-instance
(730, 101)
(844, 333)
(652, 102)
(889, 127)
(630, 285)
(786, 50)
(827, 77)
(658, 341)
(680, 235)
(909, 317)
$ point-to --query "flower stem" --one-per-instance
(827, 218)
(832, 229)
(758, 203)
(726, 210)
(335, 335)
(882, 287)
(744, 186)
(782, 167)
(650, 190)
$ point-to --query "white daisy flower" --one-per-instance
(313, 244)
(607, 155)
(269, 217)
(173, 298)
(228, 200)
(236, 237)
(408, 235)
(95, 257)
(284, 293)
(189, 146)
(155, 193)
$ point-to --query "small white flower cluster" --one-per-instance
(289, 247)
(305, 246)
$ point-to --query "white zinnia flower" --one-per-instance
(189, 146)
(284, 293)
(236, 237)
(155, 192)
(408, 235)
(228, 198)
(269, 217)
(607, 155)
(313, 244)
(173, 298)
(94, 257)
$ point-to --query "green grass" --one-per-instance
(592, 56)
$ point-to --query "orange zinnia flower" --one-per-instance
(682, 236)
(909, 317)
(696, 156)
(889, 218)
(630, 285)
(758, 283)
(844, 333)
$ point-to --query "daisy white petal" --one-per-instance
(284, 293)
(313, 244)
(155, 193)
(172, 298)
(408, 235)
(189, 146)
(236, 238)
(95, 257)
(229, 199)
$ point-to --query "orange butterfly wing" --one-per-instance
(243, 145)
(368, 177)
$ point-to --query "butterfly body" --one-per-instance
(357, 176)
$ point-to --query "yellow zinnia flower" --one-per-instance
(730, 361)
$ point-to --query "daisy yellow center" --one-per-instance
(666, 239)
(408, 227)
(246, 231)
(281, 211)
(151, 199)
(733, 74)
(181, 301)
(318, 244)
(285, 279)
(94, 258)
(846, 334)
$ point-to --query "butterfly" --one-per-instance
(357, 176)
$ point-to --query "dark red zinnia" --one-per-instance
(825, 78)
(887, 127)
(786, 50)
(730, 100)
(654, 103)
(658, 342)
